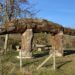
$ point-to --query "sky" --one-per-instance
(58, 11)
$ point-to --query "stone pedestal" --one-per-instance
(24, 54)
(57, 43)
(26, 43)
(17, 48)
(39, 49)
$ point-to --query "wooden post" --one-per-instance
(44, 61)
(0, 66)
(20, 60)
(53, 52)
(1, 63)
(54, 63)
(6, 42)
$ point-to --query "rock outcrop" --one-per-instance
(38, 25)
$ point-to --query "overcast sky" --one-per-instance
(59, 11)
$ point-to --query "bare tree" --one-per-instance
(12, 9)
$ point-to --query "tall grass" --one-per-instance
(10, 65)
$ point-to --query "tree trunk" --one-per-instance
(27, 43)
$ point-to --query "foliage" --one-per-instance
(40, 38)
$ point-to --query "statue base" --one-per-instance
(24, 54)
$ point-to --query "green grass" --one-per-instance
(10, 65)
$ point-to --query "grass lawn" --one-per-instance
(9, 64)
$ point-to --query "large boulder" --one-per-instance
(26, 44)
(57, 43)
